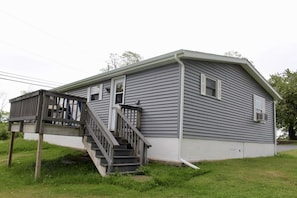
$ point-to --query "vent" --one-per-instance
(261, 117)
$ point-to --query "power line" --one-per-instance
(41, 85)
(28, 78)
(29, 83)
(18, 79)
(41, 30)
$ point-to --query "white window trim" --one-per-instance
(255, 98)
(218, 86)
(99, 90)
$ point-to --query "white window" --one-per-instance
(210, 87)
(95, 92)
(259, 109)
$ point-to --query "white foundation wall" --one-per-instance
(197, 150)
(163, 149)
(68, 141)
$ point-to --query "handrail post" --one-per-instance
(39, 111)
(138, 120)
(10, 149)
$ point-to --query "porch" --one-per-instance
(46, 112)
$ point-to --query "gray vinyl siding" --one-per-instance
(101, 107)
(158, 92)
(230, 118)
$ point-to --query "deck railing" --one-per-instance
(133, 114)
(25, 107)
(127, 130)
(48, 107)
(103, 138)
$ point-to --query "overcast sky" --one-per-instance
(64, 41)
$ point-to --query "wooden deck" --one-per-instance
(45, 112)
(48, 113)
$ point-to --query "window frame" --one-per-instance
(120, 92)
(256, 99)
(94, 90)
(203, 87)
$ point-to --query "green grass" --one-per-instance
(70, 173)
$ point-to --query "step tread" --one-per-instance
(125, 172)
(119, 149)
(123, 164)
(119, 156)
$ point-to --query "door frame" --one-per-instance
(112, 98)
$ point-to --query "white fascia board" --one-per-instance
(211, 57)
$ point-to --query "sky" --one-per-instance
(61, 41)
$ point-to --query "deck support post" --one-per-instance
(10, 149)
(38, 156)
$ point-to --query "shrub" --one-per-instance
(4, 135)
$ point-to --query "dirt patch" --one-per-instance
(273, 174)
(141, 178)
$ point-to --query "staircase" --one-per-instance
(123, 151)
(47, 112)
(124, 159)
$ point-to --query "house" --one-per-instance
(190, 106)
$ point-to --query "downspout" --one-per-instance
(181, 112)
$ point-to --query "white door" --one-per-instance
(116, 99)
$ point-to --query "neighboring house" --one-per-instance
(195, 106)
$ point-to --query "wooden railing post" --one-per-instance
(138, 120)
(39, 111)
(10, 149)
(38, 156)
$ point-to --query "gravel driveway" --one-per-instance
(286, 147)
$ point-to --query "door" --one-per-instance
(117, 98)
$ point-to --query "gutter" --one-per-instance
(181, 112)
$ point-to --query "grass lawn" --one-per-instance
(70, 173)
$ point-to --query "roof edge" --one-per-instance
(149, 63)
(170, 58)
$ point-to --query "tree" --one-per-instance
(3, 102)
(233, 54)
(127, 58)
(286, 109)
(236, 55)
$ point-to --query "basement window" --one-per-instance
(210, 87)
(95, 92)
